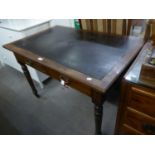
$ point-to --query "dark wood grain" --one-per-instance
(142, 100)
(104, 26)
(76, 55)
(136, 112)
(124, 29)
(129, 25)
(29, 79)
(150, 30)
(128, 130)
(110, 26)
(98, 119)
(122, 108)
(123, 50)
(114, 25)
(138, 120)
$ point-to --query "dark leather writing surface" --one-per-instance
(89, 53)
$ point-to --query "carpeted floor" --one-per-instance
(58, 111)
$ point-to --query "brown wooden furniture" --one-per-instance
(136, 113)
(150, 30)
(89, 62)
(110, 26)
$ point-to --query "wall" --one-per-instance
(63, 22)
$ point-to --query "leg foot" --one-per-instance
(98, 119)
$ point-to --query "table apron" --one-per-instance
(57, 75)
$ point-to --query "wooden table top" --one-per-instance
(96, 55)
(93, 55)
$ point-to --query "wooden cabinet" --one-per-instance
(136, 113)
(137, 110)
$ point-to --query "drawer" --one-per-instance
(128, 130)
(139, 121)
(143, 100)
(42, 67)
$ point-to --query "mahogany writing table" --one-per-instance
(87, 61)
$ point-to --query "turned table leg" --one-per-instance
(98, 100)
(29, 79)
(98, 119)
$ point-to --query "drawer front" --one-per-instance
(56, 74)
(128, 130)
(139, 121)
(142, 100)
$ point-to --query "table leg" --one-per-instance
(98, 100)
(29, 79)
(98, 119)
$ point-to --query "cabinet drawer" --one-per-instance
(139, 121)
(143, 100)
(128, 130)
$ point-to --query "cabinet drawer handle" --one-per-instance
(148, 128)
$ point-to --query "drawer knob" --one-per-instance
(148, 128)
(63, 80)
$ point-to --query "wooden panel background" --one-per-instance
(112, 26)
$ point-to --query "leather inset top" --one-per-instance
(89, 53)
